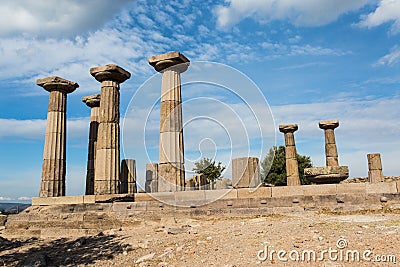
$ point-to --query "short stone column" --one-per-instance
(54, 156)
(375, 174)
(128, 176)
(292, 167)
(106, 179)
(92, 101)
(171, 155)
(151, 185)
(331, 153)
(245, 172)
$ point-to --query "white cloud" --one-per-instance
(55, 18)
(387, 11)
(392, 58)
(5, 198)
(24, 198)
(298, 12)
(35, 129)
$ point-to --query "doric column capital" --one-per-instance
(55, 83)
(330, 124)
(164, 61)
(110, 72)
(92, 101)
(288, 128)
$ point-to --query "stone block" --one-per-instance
(139, 197)
(286, 191)
(323, 189)
(375, 176)
(221, 194)
(190, 195)
(110, 72)
(88, 199)
(245, 172)
(381, 188)
(260, 192)
(351, 188)
(46, 201)
(398, 186)
(327, 175)
(168, 197)
(113, 198)
(108, 136)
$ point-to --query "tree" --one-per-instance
(208, 167)
(277, 172)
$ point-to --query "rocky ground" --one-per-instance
(224, 242)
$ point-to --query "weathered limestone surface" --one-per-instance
(92, 101)
(375, 174)
(223, 183)
(108, 144)
(327, 175)
(171, 176)
(54, 156)
(330, 142)
(245, 172)
(128, 176)
(151, 185)
(292, 167)
(196, 182)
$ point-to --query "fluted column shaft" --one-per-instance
(151, 185)
(292, 167)
(93, 102)
(54, 156)
(171, 153)
(375, 174)
(107, 171)
(245, 172)
(331, 153)
(128, 176)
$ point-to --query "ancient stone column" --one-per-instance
(106, 178)
(375, 174)
(171, 172)
(128, 176)
(331, 153)
(54, 156)
(93, 102)
(245, 172)
(292, 167)
(151, 185)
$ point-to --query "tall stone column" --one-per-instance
(128, 176)
(330, 142)
(292, 167)
(375, 174)
(245, 172)
(106, 179)
(93, 102)
(171, 170)
(54, 156)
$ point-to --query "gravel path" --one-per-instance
(224, 242)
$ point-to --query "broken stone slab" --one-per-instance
(110, 72)
(164, 61)
(326, 175)
(54, 82)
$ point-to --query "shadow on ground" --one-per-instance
(60, 252)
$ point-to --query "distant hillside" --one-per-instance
(13, 207)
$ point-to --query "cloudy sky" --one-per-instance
(311, 60)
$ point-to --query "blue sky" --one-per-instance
(312, 60)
